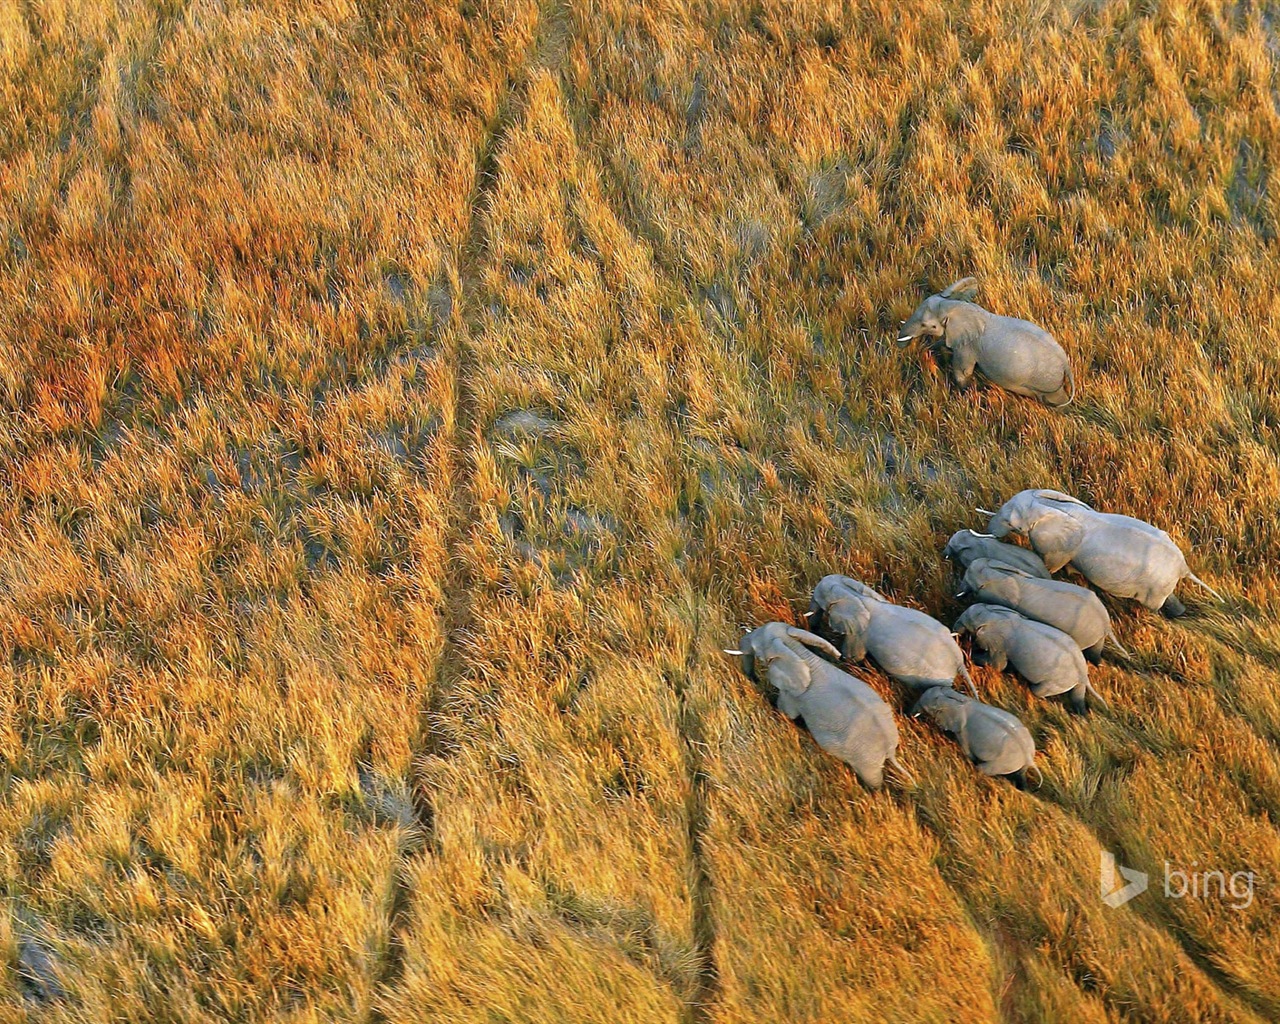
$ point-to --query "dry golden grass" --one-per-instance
(403, 403)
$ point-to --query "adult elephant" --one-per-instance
(846, 717)
(1013, 353)
(1118, 554)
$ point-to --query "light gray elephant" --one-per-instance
(1015, 354)
(994, 740)
(912, 647)
(1118, 554)
(967, 545)
(1074, 610)
(846, 717)
(1047, 658)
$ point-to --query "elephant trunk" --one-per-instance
(816, 661)
(811, 640)
(999, 527)
(910, 331)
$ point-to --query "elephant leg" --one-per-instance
(1053, 560)
(1094, 653)
(1078, 703)
(989, 768)
(1173, 608)
(1019, 779)
(1058, 399)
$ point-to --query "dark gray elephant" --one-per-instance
(912, 647)
(1015, 354)
(846, 717)
(994, 740)
(1118, 554)
(1072, 609)
(1047, 658)
(967, 545)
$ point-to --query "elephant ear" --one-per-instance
(951, 709)
(788, 672)
(851, 618)
(1059, 496)
(1056, 537)
(860, 589)
(1008, 568)
(963, 290)
(980, 567)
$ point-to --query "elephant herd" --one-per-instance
(1045, 629)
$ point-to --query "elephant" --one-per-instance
(994, 740)
(1047, 658)
(1015, 354)
(966, 545)
(912, 647)
(846, 717)
(1117, 554)
(1075, 610)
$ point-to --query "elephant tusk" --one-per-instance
(954, 633)
(905, 337)
(727, 651)
(961, 593)
(984, 536)
(985, 512)
(808, 615)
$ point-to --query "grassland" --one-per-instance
(402, 404)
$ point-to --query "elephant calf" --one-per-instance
(1015, 354)
(1121, 555)
(1047, 658)
(967, 545)
(846, 717)
(1074, 610)
(994, 740)
(912, 647)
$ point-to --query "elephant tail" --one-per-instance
(1111, 635)
(1196, 579)
(1071, 384)
(964, 671)
(901, 769)
(1039, 773)
(1089, 688)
